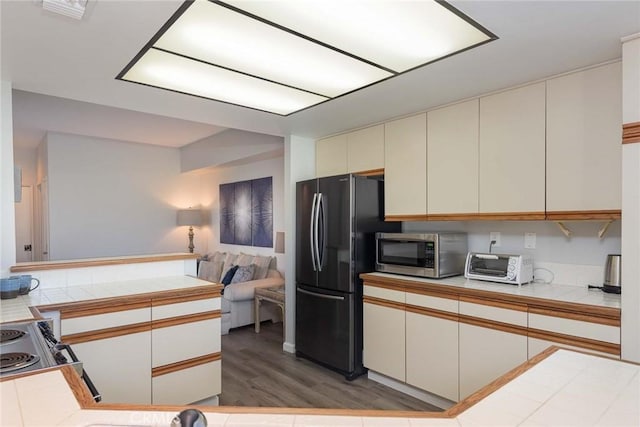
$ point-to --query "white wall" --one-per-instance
(211, 180)
(110, 198)
(583, 248)
(7, 207)
(26, 159)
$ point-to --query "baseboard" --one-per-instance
(288, 347)
(422, 395)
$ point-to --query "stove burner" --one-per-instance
(8, 335)
(14, 361)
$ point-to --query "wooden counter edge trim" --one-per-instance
(185, 364)
(485, 391)
(406, 284)
(608, 321)
(631, 132)
(446, 315)
(584, 215)
(494, 303)
(100, 262)
(159, 301)
(101, 334)
(492, 324)
(417, 217)
(36, 313)
(83, 309)
(383, 302)
(77, 385)
(585, 343)
(383, 413)
(207, 291)
(183, 319)
(509, 216)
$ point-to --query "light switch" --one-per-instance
(530, 240)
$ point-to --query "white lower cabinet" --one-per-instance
(432, 354)
(486, 354)
(187, 385)
(384, 340)
(119, 367)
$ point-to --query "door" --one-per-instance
(306, 197)
(24, 226)
(334, 235)
(324, 327)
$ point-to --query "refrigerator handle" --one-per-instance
(334, 297)
(312, 228)
(316, 236)
(320, 234)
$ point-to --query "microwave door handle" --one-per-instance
(312, 233)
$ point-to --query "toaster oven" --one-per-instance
(503, 268)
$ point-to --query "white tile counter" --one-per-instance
(565, 389)
(18, 308)
(554, 292)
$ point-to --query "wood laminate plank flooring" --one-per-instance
(256, 372)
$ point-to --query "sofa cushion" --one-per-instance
(244, 259)
(229, 261)
(244, 273)
(262, 265)
(273, 274)
(210, 270)
(244, 291)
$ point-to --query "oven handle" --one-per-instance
(92, 388)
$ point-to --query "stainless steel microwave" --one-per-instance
(432, 255)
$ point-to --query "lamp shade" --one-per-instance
(192, 217)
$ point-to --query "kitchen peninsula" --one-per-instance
(132, 322)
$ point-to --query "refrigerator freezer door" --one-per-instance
(306, 193)
(334, 236)
(324, 328)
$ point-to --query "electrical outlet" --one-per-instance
(530, 240)
(494, 235)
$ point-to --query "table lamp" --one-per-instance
(190, 217)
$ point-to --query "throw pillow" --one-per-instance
(226, 280)
(244, 259)
(262, 265)
(243, 273)
(215, 271)
(229, 261)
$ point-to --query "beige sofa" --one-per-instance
(238, 298)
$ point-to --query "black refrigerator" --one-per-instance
(336, 221)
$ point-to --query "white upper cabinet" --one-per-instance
(405, 167)
(365, 149)
(584, 151)
(331, 156)
(452, 159)
(512, 151)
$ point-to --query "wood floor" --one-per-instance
(256, 372)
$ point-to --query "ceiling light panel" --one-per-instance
(399, 35)
(221, 36)
(176, 73)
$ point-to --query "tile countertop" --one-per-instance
(18, 308)
(564, 293)
(560, 388)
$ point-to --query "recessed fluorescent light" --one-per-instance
(71, 8)
(285, 56)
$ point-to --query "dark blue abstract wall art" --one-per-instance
(246, 213)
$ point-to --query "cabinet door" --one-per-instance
(486, 354)
(365, 149)
(384, 340)
(584, 117)
(185, 341)
(432, 354)
(331, 156)
(120, 367)
(512, 151)
(452, 159)
(405, 166)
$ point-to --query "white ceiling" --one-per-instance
(57, 56)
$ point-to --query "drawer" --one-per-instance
(498, 312)
(436, 303)
(188, 385)
(185, 341)
(165, 311)
(383, 293)
(577, 328)
(96, 322)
